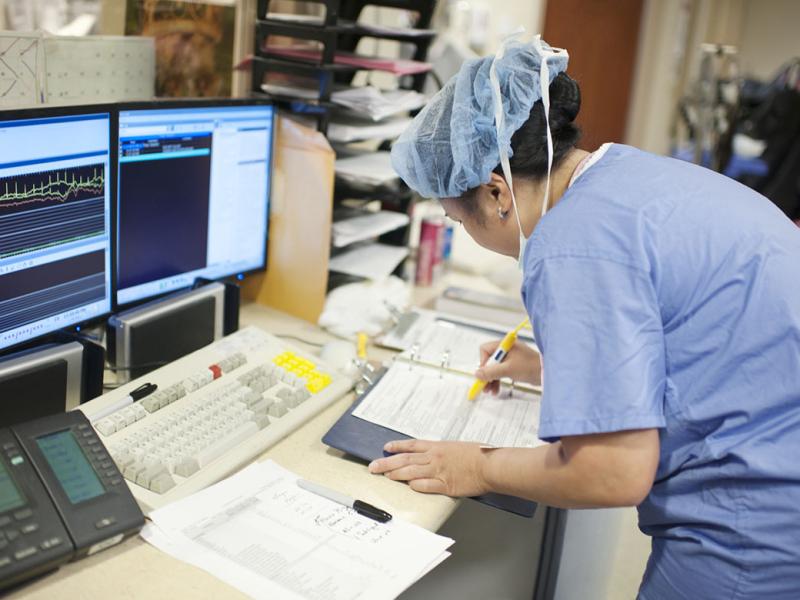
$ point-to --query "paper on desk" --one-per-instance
(429, 404)
(371, 261)
(364, 227)
(260, 533)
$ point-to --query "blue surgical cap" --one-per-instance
(452, 145)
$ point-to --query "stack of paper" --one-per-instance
(292, 18)
(364, 28)
(364, 227)
(344, 130)
(372, 168)
(398, 66)
(261, 533)
(366, 102)
(371, 261)
(369, 101)
(383, 30)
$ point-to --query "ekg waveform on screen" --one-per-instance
(49, 208)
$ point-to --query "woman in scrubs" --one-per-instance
(665, 300)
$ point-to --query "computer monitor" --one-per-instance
(193, 194)
(55, 251)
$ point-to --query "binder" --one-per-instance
(365, 440)
(440, 339)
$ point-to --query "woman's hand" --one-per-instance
(522, 363)
(451, 468)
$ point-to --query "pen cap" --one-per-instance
(372, 512)
(508, 341)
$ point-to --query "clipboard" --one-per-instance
(365, 440)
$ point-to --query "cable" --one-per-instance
(158, 363)
(294, 337)
(92, 338)
(436, 79)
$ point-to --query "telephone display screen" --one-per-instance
(70, 465)
(10, 496)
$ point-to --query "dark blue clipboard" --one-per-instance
(365, 440)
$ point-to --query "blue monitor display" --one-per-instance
(54, 223)
(193, 197)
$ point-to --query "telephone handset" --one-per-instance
(61, 496)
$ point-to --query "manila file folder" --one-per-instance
(301, 213)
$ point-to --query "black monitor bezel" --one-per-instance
(49, 111)
(183, 103)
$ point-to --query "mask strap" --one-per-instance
(544, 87)
(500, 118)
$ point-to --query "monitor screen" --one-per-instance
(193, 198)
(70, 466)
(10, 495)
(54, 223)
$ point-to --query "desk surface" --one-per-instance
(135, 569)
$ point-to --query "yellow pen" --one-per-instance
(362, 346)
(497, 357)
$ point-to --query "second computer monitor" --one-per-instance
(193, 194)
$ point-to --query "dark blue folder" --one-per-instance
(365, 440)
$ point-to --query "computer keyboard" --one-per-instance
(214, 411)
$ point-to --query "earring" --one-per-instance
(501, 214)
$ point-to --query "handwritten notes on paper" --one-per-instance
(261, 533)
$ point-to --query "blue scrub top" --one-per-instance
(667, 296)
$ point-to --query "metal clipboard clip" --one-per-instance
(445, 364)
(412, 355)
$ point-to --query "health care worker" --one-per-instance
(665, 300)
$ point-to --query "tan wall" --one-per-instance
(770, 36)
(664, 28)
(112, 17)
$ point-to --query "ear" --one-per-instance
(498, 187)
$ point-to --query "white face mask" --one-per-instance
(499, 120)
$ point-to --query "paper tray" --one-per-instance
(365, 440)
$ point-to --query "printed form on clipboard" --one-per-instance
(424, 395)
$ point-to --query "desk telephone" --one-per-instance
(61, 496)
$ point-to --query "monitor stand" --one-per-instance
(49, 379)
(230, 319)
(158, 332)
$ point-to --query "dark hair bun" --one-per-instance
(529, 142)
(565, 101)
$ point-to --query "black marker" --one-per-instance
(359, 506)
(136, 395)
